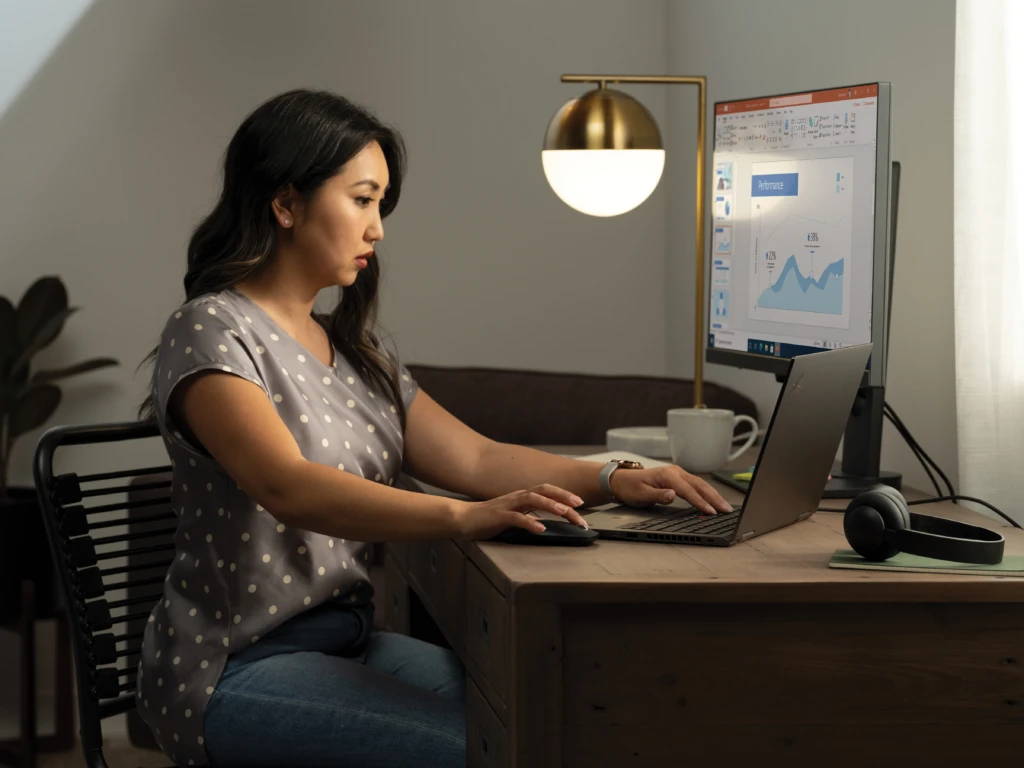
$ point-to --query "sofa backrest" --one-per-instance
(543, 408)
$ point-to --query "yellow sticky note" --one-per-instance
(743, 476)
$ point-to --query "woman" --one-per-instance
(286, 430)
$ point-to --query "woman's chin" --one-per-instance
(346, 277)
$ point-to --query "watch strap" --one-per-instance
(605, 476)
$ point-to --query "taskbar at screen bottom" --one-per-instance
(778, 349)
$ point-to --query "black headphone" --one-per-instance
(878, 525)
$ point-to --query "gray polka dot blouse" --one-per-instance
(238, 572)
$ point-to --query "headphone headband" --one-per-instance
(945, 539)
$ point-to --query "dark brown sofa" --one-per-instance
(542, 408)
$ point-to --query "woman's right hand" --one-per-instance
(485, 519)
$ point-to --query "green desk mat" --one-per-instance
(1012, 565)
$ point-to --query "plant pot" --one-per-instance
(25, 554)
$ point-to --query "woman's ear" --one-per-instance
(285, 207)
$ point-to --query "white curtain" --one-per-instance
(988, 291)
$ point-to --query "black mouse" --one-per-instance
(559, 533)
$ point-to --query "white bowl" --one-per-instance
(647, 441)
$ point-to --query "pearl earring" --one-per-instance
(287, 222)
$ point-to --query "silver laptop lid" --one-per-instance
(802, 439)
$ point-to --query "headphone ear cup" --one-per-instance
(868, 517)
(897, 497)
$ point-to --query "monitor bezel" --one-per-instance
(876, 372)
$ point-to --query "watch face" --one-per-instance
(630, 464)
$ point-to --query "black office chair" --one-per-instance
(107, 633)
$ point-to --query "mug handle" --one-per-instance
(751, 437)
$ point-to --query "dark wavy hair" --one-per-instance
(302, 138)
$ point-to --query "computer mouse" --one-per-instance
(559, 533)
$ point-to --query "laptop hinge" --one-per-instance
(747, 535)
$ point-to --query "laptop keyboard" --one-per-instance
(689, 521)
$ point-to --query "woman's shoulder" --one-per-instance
(214, 310)
(210, 331)
(211, 327)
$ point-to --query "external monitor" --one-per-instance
(800, 227)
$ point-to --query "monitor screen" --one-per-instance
(795, 241)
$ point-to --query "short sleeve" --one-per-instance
(202, 335)
(407, 386)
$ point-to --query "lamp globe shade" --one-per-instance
(602, 153)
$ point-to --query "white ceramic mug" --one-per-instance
(700, 438)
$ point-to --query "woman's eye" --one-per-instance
(364, 201)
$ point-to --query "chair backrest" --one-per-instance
(111, 552)
(545, 408)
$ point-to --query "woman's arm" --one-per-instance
(442, 451)
(503, 468)
(446, 453)
(239, 427)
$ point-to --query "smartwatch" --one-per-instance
(606, 475)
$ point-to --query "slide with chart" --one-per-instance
(720, 304)
(800, 241)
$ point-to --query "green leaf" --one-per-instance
(8, 330)
(11, 388)
(44, 299)
(46, 334)
(32, 409)
(42, 377)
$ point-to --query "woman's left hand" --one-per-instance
(660, 485)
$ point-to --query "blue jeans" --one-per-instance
(324, 689)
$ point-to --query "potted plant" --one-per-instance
(27, 400)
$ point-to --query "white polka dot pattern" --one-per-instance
(274, 571)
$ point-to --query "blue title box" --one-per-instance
(775, 185)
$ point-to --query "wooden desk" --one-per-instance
(624, 653)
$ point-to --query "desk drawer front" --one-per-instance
(485, 737)
(438, 569)
(487, 629)
(798, 684)
(396, 593)
(400, 550)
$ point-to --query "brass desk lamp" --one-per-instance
(603, 156)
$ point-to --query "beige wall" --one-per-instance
(751, 47)
(110, 155)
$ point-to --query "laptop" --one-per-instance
(791, 472)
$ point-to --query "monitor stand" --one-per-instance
(862, 449)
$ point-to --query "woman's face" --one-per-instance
(341, 223)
